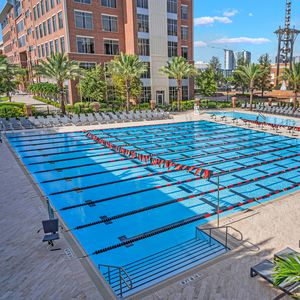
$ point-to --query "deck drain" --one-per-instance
(123, 238)
(69, 253)
(190, 279)
(106, 220)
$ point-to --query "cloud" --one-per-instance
(250, 14)
(210, 20)
(241, 40)
(230, 12)
(199, 44)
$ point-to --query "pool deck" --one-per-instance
(29, 271)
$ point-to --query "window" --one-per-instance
(57, 2)
(147, 74)
(22, 41)
(60, 20)
(39, 51)
(111, 47)
(20, 26)
(52, 3)
(143, 23)
(83, 20)
(34, 13)
(47, 5)
(46, 49)
(185, 93)
(43, 50)
(109, 23)
(172, 49)
(172, 6)
(37, 32)
(172, 27)
(87, 65)
(184, 33)
(185, 52)
(27, 14)
(109, 3)
(173, 93)
(56, 46)
(42, 7)
(184, 12)
(45, 28)
(62, 44)
(143, 47)
(85, 44)
(146, 94)
(49, 26)
(51, 44)
(38, 9)
(41, 30)
(29, 31)
(54, 26)
(83, 1)
(142, 3)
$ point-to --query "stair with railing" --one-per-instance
(140, 274)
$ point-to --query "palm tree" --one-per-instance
(250, 74)
(287, 271)
(293, 77)
(178, 68)
(129, 68)
(59, 68)
(7, 75)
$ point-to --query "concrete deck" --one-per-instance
(29, 271)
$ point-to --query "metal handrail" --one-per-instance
(264, 117)
(127, 281)
(210, 229)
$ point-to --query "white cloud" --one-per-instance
(250, 14)
(200, 44)
(210, 20)
(241, 40)
(230, 12)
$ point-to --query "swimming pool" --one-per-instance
(107, 199)
(258, 117)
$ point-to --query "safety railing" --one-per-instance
(211, 229)
(120, 273)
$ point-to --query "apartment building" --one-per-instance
(94, 31)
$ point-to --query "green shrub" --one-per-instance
(12, 110)
(50, 102)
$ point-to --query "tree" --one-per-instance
(22, 77)
(264, 81)
(287, 271)
(216, 67)
(59, 68)
(93, 85)
(206, 83)
(239, 82)
(178, 68)
(293, 78)
(126, 68)
(249, 74)
(7, 76)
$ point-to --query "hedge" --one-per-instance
(12, 110)
(47, 101)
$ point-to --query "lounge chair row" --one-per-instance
(279, 110)
(81, 119)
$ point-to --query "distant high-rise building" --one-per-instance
(229, 60)
(296, 59)
(244, 55)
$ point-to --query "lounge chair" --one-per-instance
(99, 118)
(76, 121)
(26, 123)
(92, 120)
(66, 121)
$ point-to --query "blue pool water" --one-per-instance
(87, 183)
(258, 117)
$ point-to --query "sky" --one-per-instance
(240, 25)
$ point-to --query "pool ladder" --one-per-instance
(227, 234)
(123, 276)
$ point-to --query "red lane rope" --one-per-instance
(296, 128)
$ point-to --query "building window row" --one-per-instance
(87, 45)
(146, 94)
(172, 6)
(46, 49)
(142, 23)
(22, 41)
(49, 26)
(144, 47)
(109, 3)
(142, 4)
(20, 26)
(172, 27)
(147, 74)
(43, 7)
